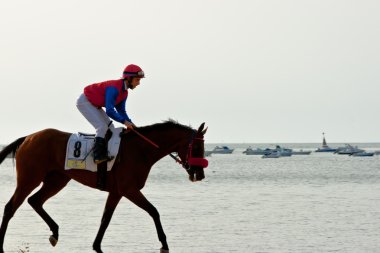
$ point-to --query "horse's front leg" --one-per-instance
(139, 199)
(111, 204)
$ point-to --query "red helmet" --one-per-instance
(133, 71)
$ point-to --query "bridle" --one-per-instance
(190, 160)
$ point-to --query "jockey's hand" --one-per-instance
(129, 125)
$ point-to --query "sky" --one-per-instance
(268, 71)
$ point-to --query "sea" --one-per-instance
(321, 202)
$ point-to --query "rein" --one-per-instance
(145, 138)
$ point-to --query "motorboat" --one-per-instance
(279, 150)
(283, 151)
(325, 147)
(258, 151)
(273, 154)
(208, 152)
(349, 150)
(301, 152)
(326, 150)
(222, 150)
(364, 153)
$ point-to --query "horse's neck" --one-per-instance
(172, 140)
(169, 141)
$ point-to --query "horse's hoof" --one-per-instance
(164, 250)
(53, 241)
(97, 249)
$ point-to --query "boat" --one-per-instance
(222, 150)
(283, 151)
(273, 154)
(364, 153)
(208, 152)
(258, 151)
(348, 150)
(325, 147)
(301, 152)
(279, 150)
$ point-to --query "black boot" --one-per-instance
(100, 150)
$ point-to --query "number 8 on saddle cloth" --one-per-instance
(79, 151)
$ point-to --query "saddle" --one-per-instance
(79, 153)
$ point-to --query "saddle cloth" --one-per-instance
(79, 151)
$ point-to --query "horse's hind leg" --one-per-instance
(52, 184)
(21, 192)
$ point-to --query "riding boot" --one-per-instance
(100, 150)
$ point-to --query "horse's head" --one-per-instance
(194, 156)
(188, 143)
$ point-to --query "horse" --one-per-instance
(40, 157)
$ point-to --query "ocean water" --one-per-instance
(316, 203)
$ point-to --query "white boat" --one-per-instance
(279, 150)
(349, 150)
(283, 151)
(258, 151)
(222, 150)
(301, 152)
(273, 154)
(325, 147)
(364, 153)
(208, 152)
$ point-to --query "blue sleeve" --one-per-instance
(121, 110)
(111, 95)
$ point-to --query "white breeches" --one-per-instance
(96, 116)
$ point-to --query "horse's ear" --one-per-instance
(201, 127)
(201, 130)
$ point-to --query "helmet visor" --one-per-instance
(139, 74)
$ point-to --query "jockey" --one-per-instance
(112, 95)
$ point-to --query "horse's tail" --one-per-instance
(11, 148)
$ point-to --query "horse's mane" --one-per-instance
(164, 125)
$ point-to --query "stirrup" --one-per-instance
(105, 159)
(99, 161)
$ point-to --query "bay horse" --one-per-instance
(40, 157)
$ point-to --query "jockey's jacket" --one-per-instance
(112, 95)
